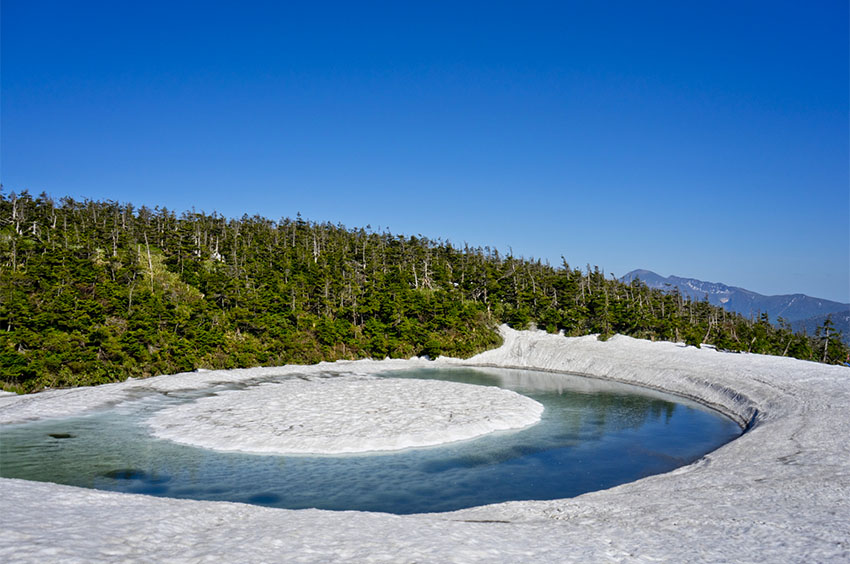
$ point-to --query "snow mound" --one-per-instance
(344, 415)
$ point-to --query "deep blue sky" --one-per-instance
(703, 139)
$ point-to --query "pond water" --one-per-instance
(593, 435)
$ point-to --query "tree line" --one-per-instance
(98, 291)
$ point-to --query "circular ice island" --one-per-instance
(344, 415)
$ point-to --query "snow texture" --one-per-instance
(779, 493)
(344, 415)
(77, 401)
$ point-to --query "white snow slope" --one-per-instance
(779, 493)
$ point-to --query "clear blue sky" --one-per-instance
(703, 139)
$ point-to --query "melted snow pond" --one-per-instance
(549, 436)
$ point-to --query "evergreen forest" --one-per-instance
(99, 291)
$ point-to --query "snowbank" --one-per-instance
(76, 401)
(779, 493)
(344, 415)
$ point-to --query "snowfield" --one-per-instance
(344, 415)
(779, 493)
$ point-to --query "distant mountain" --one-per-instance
(840, 319)
(802, 311)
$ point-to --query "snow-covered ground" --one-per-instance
(779, 493)
(344, 415)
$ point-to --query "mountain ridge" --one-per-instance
(803, 312)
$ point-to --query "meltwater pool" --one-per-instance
(593, 434)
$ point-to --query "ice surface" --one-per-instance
(344, 415)
(76, 401)
(779, 493)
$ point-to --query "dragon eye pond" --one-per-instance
(591, 435)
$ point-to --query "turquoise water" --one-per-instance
(594, 435)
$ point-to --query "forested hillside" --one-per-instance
(94, 292)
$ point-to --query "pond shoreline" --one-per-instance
(780, 492)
